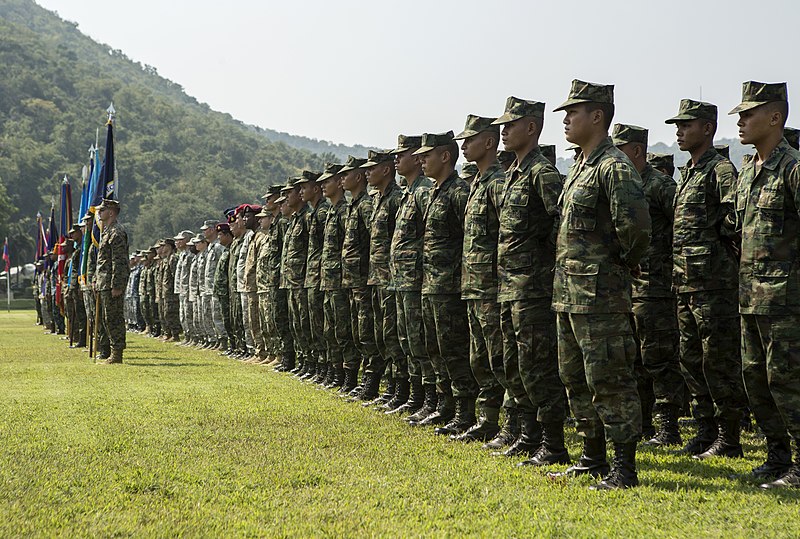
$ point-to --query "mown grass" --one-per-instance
(183, 442)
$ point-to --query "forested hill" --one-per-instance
(179, 162)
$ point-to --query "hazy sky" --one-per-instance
(355, 71)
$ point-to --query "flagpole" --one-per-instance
(8, 280)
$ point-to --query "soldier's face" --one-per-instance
(307, 191)
(180, 243)
(514, 135)
(373, 177)
(349, 181)
(577, 124)
(293, 198)
(691, 134)
(406, 162)
(432, 163)
(210, 234)
(286, 210)
(755, 124)
(475, 148)
(332, 186)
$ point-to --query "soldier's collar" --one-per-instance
(707, 156)
(601, 149)
(774, 158)
(489, 172)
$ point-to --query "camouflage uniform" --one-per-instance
(77, 309)
(293, 272)
(195, 306)
(278, 309)
(251, 290)
(222, 293)
(241, 288)
(182, 288)
(602, 235)
(86, 285)
(234, 297)
(112, 273)
(315, 306)
(212, 310)
(170, 298)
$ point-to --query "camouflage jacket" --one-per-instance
(241, 261)
(655, 280)
(316, 239)
(355, 248)
(158, 275)
(704, 201)
(200, 262)
(481, 224)
(529, 217)
(768, 216)
(233, 257)
(112, 259)
(603, 233)
(221, 274)
(381, 231)
(213, 252)
(271, 257)
(444, 237)
(251, 261)
(74, 270)
(91, 266)
(406, 249)
(182, 273)
(168, 277)
(143, 281)
(295, 250)
(331, 258)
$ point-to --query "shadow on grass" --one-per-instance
(163, 363)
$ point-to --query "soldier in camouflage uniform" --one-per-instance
(221, 292)
(78, 323)
(468, 172)
(171, 299)
(654, 310)
(380, 172)
(603, 233)
(311, 195)
(406, 266)
(768, 217)
(256, 257)
(529, 216)
(144, 296)
(479, 275)
(110, 279)
(212, 314)
(196, 285)
(443, 311)
(245, 275)
(281, 320)
(662, 162)
(237, 318)
(355, 269)
(182, 282)
(705, 278)
(250, 288)
(268, 277)
(336, 303)
(90, 263)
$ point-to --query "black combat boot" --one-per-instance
(429, 403)
(371, 387)
(311, 371)
(727, 443)
(445, 411)
(388, 395)
(790, 479)
(508, 434)
(322, 373)
(401, 393)
(529, 440)
(485, 429)
(552, 450)
(337, 378)
(463, 420)
(415, 400)
(592, 461)
(706, 434)
(623, 469)
(668, 430)
(779, 459)
(349, 382)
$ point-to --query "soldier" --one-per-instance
(264, 268)
(654, 309)
(281, 318)
(468, 172)
(182, 282)
(355, 270)
(662, 162)
(506, 159)
(603, 233)
(196, 286)
(250, 247)
(479, 275)
(443, 311)
(336, 303)
(406, 276)
(380, 171)
(212, 313)
(221, 292)
(705, 277)
(311, 195)
(110, 279)
(170, 298)
(529, 216)
(78, 322)
(144, 291)
(767, 202)
(237, 317)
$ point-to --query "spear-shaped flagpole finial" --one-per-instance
(111, 112)
(66, 180)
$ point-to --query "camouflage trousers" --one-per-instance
(237, 321)
(247, 331)
(281, 321)
(77, 315)
(112, 319)
(655, 325)
(197, 317)
(447, 342)
(315, 299)
(254, 327)
(771, 369)
(300, 323)
(217, 326)
(172, 314)
(411, 335)
(338, 328)
(710, 352)
(362, 325)
(385, 308)
(268, 332)
(185, 316)
(225, 308)
(486, 351)
(596, 353)
(532, 369)
(88, 305)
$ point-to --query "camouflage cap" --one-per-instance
(549, 152)
(272, 190)
(331, 170)
(724, 150)
(108, 203)
(517, 108)
(588, 92)
(200, 239)
(661, 160)
(792, 136)
(755, 94)
(263, 213)
(431, 141)
(184, 234)
(171, 242)
(291, 183)
(352, 163)
(378, 157)
(468, 170)
(307, 176)
(281, 199)
(75, 228)
(625, 133)
(477, 124)
(208, 223)
(407, 142)
(505, 156)
(694, 110)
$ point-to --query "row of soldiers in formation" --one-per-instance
(610, 292)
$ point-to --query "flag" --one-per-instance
(104, 186)
(66, 225)
(41, 239)
(52, 234)
(7, 258)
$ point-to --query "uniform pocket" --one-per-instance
(769, 216)
(698, 263)
(581, 281)
(583, 204)
(773, 280)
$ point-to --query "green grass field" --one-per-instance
(183, 442)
